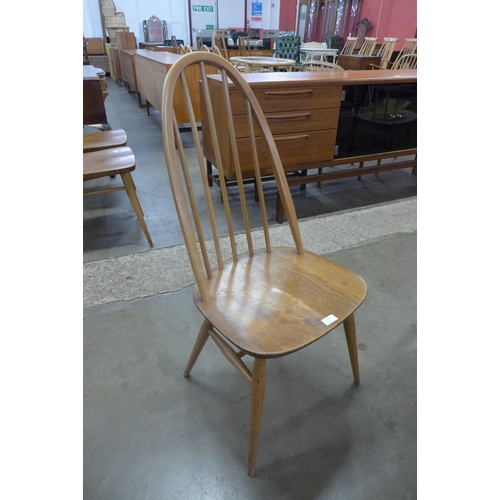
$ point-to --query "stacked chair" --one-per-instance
(106, 154)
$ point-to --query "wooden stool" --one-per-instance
(104, 140)
(110, 162)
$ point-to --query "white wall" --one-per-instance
(175, 13)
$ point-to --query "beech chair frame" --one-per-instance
(262, 302)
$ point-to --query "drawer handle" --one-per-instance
(297, 116)
(288, 93)
(281, 138)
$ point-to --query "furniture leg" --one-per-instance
(209, 173)
(132, 196)
(278, 217)
(198, 346)
(350, 335)
(257, 405)
(361, 165)
(303, 173)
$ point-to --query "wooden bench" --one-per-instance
(111, 162)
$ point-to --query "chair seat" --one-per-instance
(108, 162)
(104, 140)
(272, 304)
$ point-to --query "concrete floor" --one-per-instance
(149, 433)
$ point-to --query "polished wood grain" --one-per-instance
(257, 299)
(302, 110)
(110, 163)
(106, 139)
(151, 69)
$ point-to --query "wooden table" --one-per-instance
(94, 92)
(357, 62)
(256, 63)
(326, 119)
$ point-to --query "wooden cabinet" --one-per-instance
(323, 119)
(94, 92)
(303, 120)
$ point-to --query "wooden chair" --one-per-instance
(260, 303)
(244, 46)
(154, 30)
(205, 48)
(219, 41)
(109, 163)
(320, 66)
(408, 61)
(409, 47)
(106, 139)
(348, 48)
(368, 46)
(385, 52)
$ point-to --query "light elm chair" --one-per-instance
(258, 301)
(110, 163)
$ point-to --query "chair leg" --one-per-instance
(198, 346)
(257, 405)
(130, 189)
(350, 335)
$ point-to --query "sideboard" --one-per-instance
(325, 119)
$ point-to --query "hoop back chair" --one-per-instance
(320, 66)
(348, 48)
(258, 300)
(408, 61)
(368, 46)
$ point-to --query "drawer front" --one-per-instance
(294, 149)
(293, 121)
(272, 100)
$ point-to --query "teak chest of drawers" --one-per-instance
(323, 119)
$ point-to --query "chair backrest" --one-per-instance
(385, 52)
(349, 45)
(288, 47)
(244, 46)
(181, 49)
(199, 42)
(334, 42)
(219, 40)
(368, 46)
(408, 61)
(320, 66)
(363, 27)
(205, 48)
(409, 47)
(194, 205)
(154, 30)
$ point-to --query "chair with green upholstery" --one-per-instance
(288, 47)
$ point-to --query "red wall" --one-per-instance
(288, 10)
(391, 18)
(394, 18)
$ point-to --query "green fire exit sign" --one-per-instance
(203, 8)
